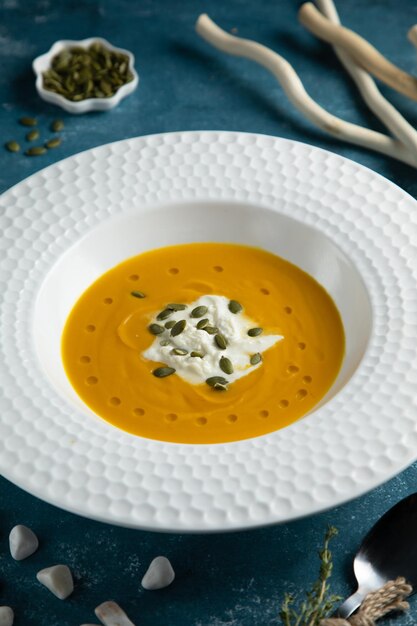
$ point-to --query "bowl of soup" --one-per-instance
(206, 331)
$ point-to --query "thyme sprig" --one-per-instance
(319, 601)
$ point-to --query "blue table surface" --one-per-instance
(234, 579)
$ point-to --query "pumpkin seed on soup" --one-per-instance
(220, 341)
(235, 307)
(216, 380)
(178, 328)
(255, 332)
(163, 372)
(226, 365)
(164, 314)
(199, 311)
(156, 329)
(255, 359)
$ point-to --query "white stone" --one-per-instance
(159, 575)
(23, 542)
(110, 614)
(6, 616)
(58, 579)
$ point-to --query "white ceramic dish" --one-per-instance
(353, 230)
(42, 63)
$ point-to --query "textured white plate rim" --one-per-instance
(384, 457)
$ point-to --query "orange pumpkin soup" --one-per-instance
(108, 333)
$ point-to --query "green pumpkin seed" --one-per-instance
(174, 306)
(164, 314)
(235, 307)
(197, 354)
(254, 332)
(220, 341)
(163, 372)
(179, 352)
(211, 330)
(32, 135)
(178, 328)
(57, 126)
(164, 343)
(137, 294)
(226, 365)
(255, 359)
(220, 387)
(202, 323)
(12, 146)
(53, 143)
(35, 151)
(28, 121)
(216, 380)
(156, 329)
(170, 324)
(199, 311)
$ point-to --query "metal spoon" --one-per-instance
(388, 550)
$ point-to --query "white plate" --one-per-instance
(352, 229)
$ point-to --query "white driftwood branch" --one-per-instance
(293, 87)
(376, 102)
(361, 50)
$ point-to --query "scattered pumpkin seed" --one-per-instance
(32, 135)
(170, 324)
(156, 329)
(53, 143)
(220, 387)
(137, 294)
(179, 352)
(254, 332)
(197, 354)
(226, 365)
(35, 151)
(163, 372)
(199, 311)
(216, 380)
(57, 126)
(164, 343)
(178, 328)
(235, 307)
(174, 306)
(220, 341)
(203, 323)
(12, 146)
(211, 330)
(255, 359)
(164, 314)
(28, 121)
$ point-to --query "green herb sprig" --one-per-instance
(319, 602)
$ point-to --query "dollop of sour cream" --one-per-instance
(233, 327)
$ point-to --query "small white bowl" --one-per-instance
(43, 63)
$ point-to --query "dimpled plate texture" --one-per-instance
(363, 436)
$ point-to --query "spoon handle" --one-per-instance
(350, 605)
